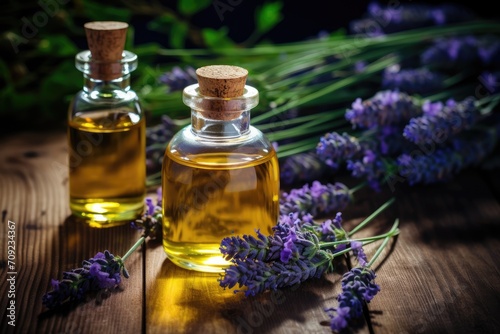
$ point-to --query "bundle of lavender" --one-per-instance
(418, 52)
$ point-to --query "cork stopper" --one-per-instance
(224, 82)
(106, 40)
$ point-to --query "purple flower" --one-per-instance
(315, 199)
(177, 79)
(389, 19)
(258, 276)
(440, 122)
(384, 108)
(412, 81)
(358, 286)
(333, 148)
(357, 249)
(302, 167)
(291, 255)
(488, 50)
(370, 166)
(451, 52)
(441, 165)
(103, 271)
(490, 81)
(150, 222)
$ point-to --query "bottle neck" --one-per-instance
(115, 88)
(204, 126)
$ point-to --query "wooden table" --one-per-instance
(441, 275)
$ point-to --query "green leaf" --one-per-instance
(161, 23)
(190, 7)
(268, 16)
(95, 11)
(178, 33)
(57, 45)
(215, 39)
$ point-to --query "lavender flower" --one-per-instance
(371, 167)
(358, 286)
(440, 121)
(488, 49)
(412, 81)
(290, 256)
(334, 148)
(315, 199)
(491, 81)
(151, 220)
(382, 20)
(451, 52)
(260, 276)
(359, 253)
(384, 108)
(302, 167)
(101, 272)
(157, 138)
(177, 79)
(462, 152)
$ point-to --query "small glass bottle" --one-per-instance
(220, 175)
(106, 132)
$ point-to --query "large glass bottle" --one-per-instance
(220, 175)
(106, 132)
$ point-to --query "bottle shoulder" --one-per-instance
(190, 148)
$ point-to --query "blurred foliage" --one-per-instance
(39, 41)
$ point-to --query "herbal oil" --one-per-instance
(214, 196)
(106, 132)
(107, 169)
(220, 175)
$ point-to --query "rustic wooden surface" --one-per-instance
(441, 275)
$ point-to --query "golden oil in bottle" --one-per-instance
(106, 132)
(220, 175)
(106, 159)
(213, 197)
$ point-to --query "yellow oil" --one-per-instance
(213, 196)
(107, 167)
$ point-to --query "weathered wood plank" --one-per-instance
(443, 275)
(33, 193)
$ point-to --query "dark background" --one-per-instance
(301, 19)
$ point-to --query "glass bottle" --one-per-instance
(106, 132)
(220, 175)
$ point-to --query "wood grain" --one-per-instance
(441, 275)
(33, 186)
(444, 274)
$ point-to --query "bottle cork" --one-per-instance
(222, 82)
(106, 41)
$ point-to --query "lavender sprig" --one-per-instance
(315, 199)
(442, 121)
(298, 249)
(302, 167)
(384, 108)
(412, 81)
(103, 271)
(334, 148)
(358, 286)
(463, 151)
(177, 79)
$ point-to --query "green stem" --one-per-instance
(358, 187)
(384, 243)
(134, 247)
(372, 216)
(391, 233)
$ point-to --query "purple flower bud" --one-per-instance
(384, 108)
